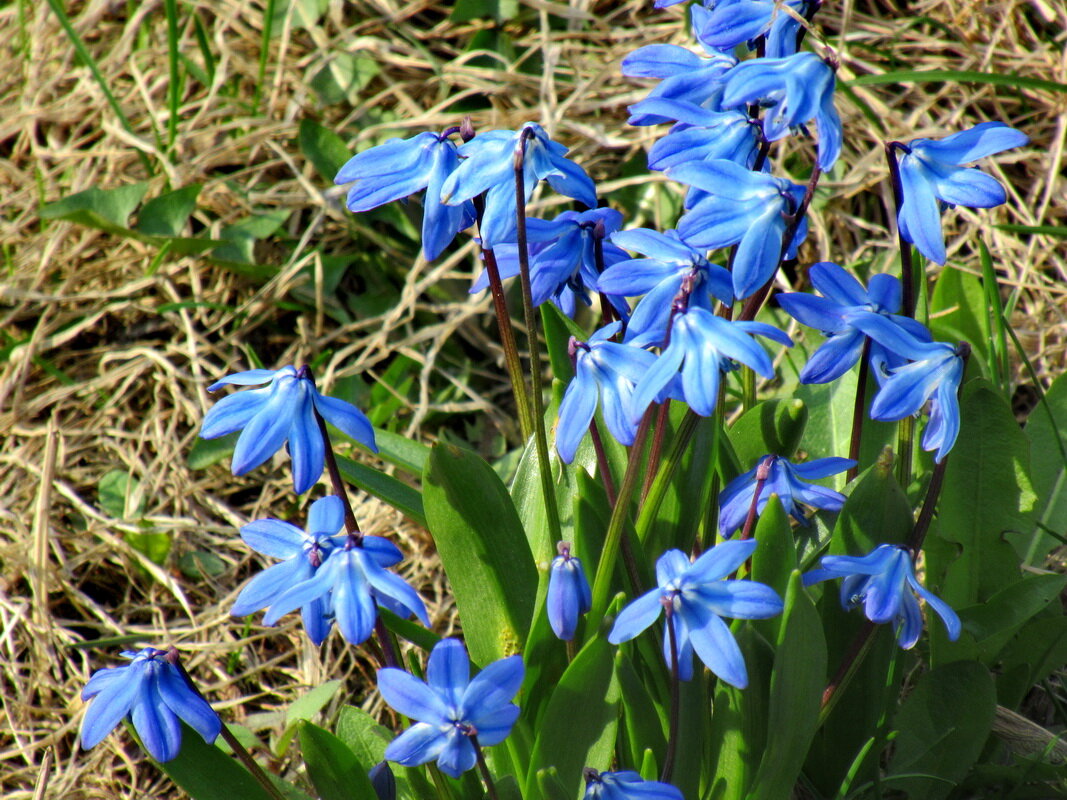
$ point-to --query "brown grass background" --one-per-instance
(94, 377)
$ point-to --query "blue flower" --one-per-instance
(569, 595)
(702, 135)
(934, 374)
(562, 255)
(489, 166)
(671, 263)
(607, 370)
(451, 709)
(348, 583)
(700, 598)
(402, 167)
(884, 583)
(733, 205)
(788, 481)
(304, 554)
(844, 300)
(703, 346)
(283, 411)
(795, 90)
(733, 22)
(626, 785)
(930, 171)
(152, 691)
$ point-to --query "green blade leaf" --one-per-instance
(960, 76)
(385, 487)
(204, 772)
(333, 768)
(166, 215)
(93, 206)
(484, 551)
(773, 426)
(323, 148)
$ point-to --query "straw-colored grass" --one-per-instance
(107, 351)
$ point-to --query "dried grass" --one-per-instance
(96, 377)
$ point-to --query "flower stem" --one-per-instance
(859, 411)
(610, 552)
(490, 787)
(675, 717)
(665, 473)
(603, 467)
(657, 448)
(337, 484)
(853, 658)
(238, 749)
(905, 446)
(540, 440)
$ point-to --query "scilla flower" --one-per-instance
(569, 595)
(283, 411)
(625, 785)
(789, 482)
(931, 171)
(733, 22)
(402, 167)
(153, 692)
(304, 554)
(884, 583)
(454, 713)
(699, 598)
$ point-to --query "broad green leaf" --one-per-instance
(507, 788)
(772, 427)
(323, 148)
(831, 408)
(112, 207)
(239, 239)
(206, 452)
(942, 728)
(999, 618)
(584, 705)
(304, 13)
(333, 768)
(167, 214)
(367, 739)
(154, 545)
(484, 551)
(559, 328)
(1039, 649)
(875, 512)
(120, 495)
(957, 299)
(775, 558)
(204, 772)
(1046, 429)
(986, 502)
(402, 452)
(1039, 230)
(200, 563)
(385, 487)
(550, 787)
(311, 703)
(644, 722)
(797, 683)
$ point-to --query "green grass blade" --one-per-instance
(960, 76)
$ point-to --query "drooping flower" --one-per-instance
(670, 263)
(699, 598)
(280, 412)
(304, 554)
(934, 374)
(400, 168)
(606, 370)
(625, 785)
(733, 22)
(569, 595)
(844, 299)
(152, 691)
(702, 135)
(348, 584)
(452, 709)
(562, 257)
(702, 347)
(794, 90)
(489, 166)
(884, 583)
(789, 482)
(733, 205)
(931, 171)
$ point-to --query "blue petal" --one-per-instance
(493, 688)
(834, 358)
(457, 756)
(731, 24)
(249, 377)
(905, 392)
(156, 724)
(270, 584)
(575, 413)
(267, 431)
(820, 313)
(273, 537)
(659, 61)
(412, 698)
(910, 622)
(448, 670)
(943, 609)
(822, 467)
(636, 617)
(968, 187)
(233, 412)
(417, 745)
(655, 380)
(111, 704)
(885, 292)
(384, 552)
(919, 213)
(346, 418)
(308, 454)
(327, 515)
(386, 584)
(190, 707)
(720, 561)
(353, 603)
(837, 284)
(715, 645)
(758, 251)
(495, 728)
(303, 593)
(982, 140)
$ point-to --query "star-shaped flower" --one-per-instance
(452, 709)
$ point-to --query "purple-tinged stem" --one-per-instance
(849, 664)
(859, 411)
(603, 467)
(675, 717)
(763, 472)
(483, 768)
(907, 276)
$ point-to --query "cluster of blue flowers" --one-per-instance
(670, 335)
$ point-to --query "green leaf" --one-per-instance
(323, 148)
(775, 559)
(875, 512)
(584, 704)
(500, 10)
(166, 215)
(240, 238)
(550, 786)
(200, 564)
(954, 311)
(999, 618)
(797, 683)
(206, 773)
(771, 427)
(333, 768)
(98, 208)
(385, 487)
(120, 495)
(367, 739)
(1011, 79)
(559, 328)
(942, 727)
(986, 501)
(1037, 230)
(342, 78)
(643, 721)
(484, 551)
(303, 709)
(402, 452)
(1046, 429)
(206, 452)
(154, 545)
(1038, 651)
